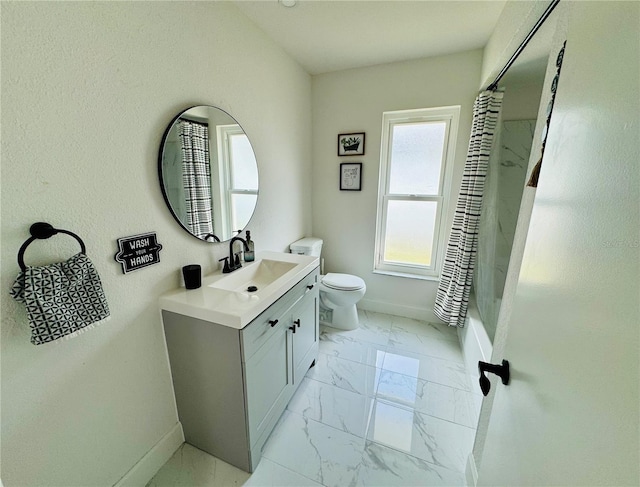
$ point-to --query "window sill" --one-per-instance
(407, 275)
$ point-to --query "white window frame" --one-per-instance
(450, 115)
(226, 167)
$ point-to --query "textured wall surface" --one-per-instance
(87, 90)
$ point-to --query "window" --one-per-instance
(238, 185)
(416, 159)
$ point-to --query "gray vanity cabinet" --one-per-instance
(232, 385)
(305, 339)
(268, 382)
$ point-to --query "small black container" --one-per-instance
(192, 276)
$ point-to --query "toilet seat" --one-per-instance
(343, 282)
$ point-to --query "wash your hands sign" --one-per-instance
(138, 251)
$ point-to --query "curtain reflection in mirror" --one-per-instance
(196, 176)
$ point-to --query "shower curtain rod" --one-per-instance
(493, 86)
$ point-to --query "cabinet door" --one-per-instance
(268, 383)
(305, 339)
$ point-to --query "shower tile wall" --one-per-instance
(517, 137)
(500, 208)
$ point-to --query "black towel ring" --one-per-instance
(42, 230)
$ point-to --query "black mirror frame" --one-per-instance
(165, 196)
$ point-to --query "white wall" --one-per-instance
(521, 101)
(353, 101)
(87, 91)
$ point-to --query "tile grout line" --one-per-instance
(291, 470)
(375, 397)
(385, 349)
(469, 391)
(378, 369)
(408, 408)
(417, 458)
(366, 440)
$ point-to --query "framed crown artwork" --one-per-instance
(351, 144)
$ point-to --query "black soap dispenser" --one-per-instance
(249, 255)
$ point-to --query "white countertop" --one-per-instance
(237, 309)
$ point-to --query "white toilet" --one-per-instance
(339, 293)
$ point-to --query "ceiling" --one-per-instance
(331, 35)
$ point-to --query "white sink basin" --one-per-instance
(257, 275)
(224, 299)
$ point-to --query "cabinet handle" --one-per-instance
(293, 328)
(273, 323)
(297, 322)
(311, 286)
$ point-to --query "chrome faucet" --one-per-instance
(232, 262)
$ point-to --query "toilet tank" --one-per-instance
(307, 246)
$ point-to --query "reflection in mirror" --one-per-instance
(505, 182)
(208, 173)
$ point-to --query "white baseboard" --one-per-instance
(471, 472)
(148, 465)
(425, 314)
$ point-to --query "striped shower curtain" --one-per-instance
(196, 177)
(452, 296)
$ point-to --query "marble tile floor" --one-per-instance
(388, 404)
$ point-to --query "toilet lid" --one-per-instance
(344, 282)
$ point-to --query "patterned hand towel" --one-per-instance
(61, 299)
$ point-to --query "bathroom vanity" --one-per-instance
(237, 357)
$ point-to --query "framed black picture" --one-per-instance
(351, 144)
(351, 176)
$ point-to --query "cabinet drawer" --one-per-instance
(255, 334)
(308, 284)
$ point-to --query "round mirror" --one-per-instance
(208, 173)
